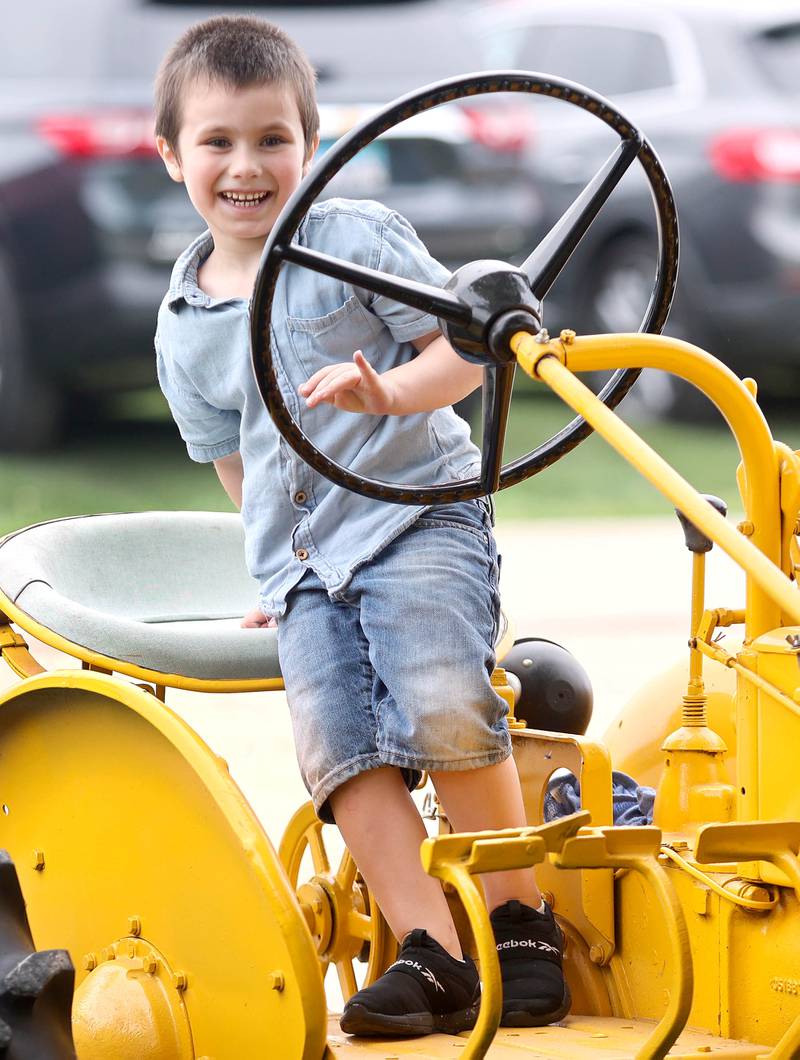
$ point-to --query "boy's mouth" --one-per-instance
(244, 199)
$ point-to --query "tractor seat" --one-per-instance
(157, 591)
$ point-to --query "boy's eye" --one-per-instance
(218, 141)
(273, 140)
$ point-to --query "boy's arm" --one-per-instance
(230, 472)
(435, 378)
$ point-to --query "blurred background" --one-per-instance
(90, 223)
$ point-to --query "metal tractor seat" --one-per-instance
(154, 591)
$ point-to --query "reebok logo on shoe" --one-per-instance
(422, 970)
(535, 944)
(425, 990)
(529, 947)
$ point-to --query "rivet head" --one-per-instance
(38, 860)
(180, 980)
(90, 962)
(134, 925)
(277, 981)
(596, 955)
(150, 964)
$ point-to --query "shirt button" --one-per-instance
(302, 554)
(299, 497)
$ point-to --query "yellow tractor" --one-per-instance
(136, 853)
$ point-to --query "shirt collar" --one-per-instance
(183, 285)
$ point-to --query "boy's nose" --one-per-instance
(244, 163)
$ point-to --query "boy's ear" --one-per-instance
(170, 158)
(310, 155)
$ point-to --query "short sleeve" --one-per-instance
(402, 253)
(209, 433)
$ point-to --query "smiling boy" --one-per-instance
(386, 614)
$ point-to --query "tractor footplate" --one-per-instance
(574, 1038)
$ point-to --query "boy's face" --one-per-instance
(241, 153)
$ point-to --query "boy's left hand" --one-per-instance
(256, 619)
(351, 386)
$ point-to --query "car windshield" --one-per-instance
(612, 60)
(777, 51)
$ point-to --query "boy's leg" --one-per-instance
(383, 831)
(431, 986)
(429, 610)
(329, 681)
(484, 799)
(530, 944)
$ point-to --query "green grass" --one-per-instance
(593, 480)
(137, 461)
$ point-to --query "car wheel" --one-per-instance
(619, 283)
(30, 408)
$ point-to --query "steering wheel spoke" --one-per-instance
(546, 262)
(410, 292)
(497, 388)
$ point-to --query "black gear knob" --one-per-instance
(696, 540)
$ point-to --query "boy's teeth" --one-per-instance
(236, 196)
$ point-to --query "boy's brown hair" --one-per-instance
(238, 51)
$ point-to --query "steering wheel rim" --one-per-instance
(278, 250)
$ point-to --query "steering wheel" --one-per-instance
(485, 302)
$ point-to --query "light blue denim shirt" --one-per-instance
(293, 517)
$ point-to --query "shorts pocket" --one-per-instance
(463, 515)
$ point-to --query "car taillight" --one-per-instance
(757, 154)
(501, 128)
(100, 134)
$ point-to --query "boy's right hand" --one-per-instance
(353, 386)
(256, 619)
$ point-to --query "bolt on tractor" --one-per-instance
(138, 871)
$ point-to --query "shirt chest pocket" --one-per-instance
(322, 340)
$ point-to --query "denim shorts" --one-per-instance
(395, 670)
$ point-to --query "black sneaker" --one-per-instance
(424, 991)
(530, 946)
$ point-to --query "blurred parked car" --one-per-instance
(90, 223)
(716, 89)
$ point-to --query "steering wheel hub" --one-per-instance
(491, 289)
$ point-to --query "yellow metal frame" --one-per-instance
(456, 858)
(16, 653)
(152, 841)
(771, 596)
